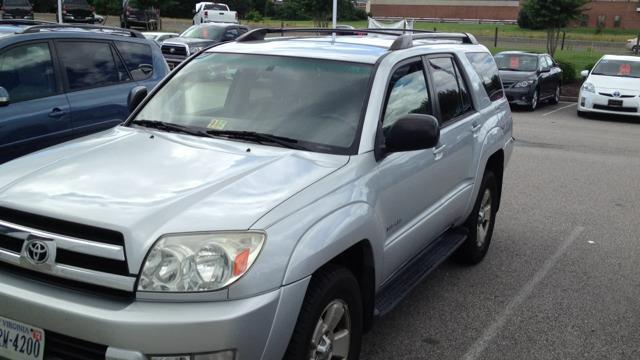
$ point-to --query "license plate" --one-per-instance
(20, 341)
(615, 102)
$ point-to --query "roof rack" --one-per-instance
(106, 29)
(404, 39)
(24, 22)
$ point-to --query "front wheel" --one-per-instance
(329, 325)
(534, 101)
(481, 222)
(556, 95)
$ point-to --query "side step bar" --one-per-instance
(417, 269)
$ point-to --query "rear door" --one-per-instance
(97, 83)
(38, 113)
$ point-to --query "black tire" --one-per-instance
(556, 95)
(581, 114)
(472, 251)
(332, 283)
(535, 99)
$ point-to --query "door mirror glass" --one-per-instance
(4, 97)
(136, 95)
(584, 73)
(412, 132)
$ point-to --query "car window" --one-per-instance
(89, 64)
(231, 33)
(517, 62)
(487, 70)
(620, 68)
(138, 59)
(16, 3)
(407, 94)
(544, 63)
(550, 61)
(204, 32)
(242, 30)
(26, 72)
(215, 7)
(450, 90)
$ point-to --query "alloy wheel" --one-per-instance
(332, 335)
(484, 218)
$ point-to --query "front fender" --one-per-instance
(332, 235)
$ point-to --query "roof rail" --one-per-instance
(24, 22)
(404, 39)
(106, 29)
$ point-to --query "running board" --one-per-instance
(417, 269)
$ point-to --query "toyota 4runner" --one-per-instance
(267, 200)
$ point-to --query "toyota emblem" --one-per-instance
(37, 252)
(616, 94)
(172, 50)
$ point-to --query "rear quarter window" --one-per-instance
(137, 58)
(485, 67)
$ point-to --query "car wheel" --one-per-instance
(582, 114)
(534, 101)
(480, 223)
(330, 322)
(556, 95)
(634, 48)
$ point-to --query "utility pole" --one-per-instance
(335, 19)
(59, 11)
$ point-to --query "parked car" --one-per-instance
(213, 12)
(632, 44)
(16, 9)
(160, 37)
(247, 210)
(59, 85)
(612, 87)
(529, 78)
(198, 37)
(134, 15)
(77, 11)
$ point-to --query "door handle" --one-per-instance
(475, 127)
(439, 152)
(57, 113)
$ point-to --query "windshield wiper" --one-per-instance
(258, 137)
(170, 127)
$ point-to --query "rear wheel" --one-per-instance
(329, 325)
(480, 223)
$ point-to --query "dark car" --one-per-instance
(16, 9)
(529, 78)
(59, 85)
(198, 37)
(77, 11)
(134, 15)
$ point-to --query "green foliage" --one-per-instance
(553, 15)
(525, 22)
(589, 66)
(569, 73)
(253, 16)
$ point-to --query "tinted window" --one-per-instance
(26, 72)
(16, 3)
(486, 68)
(449, 87)
(517, 62)
(215, 7)
(138, 59)
(407, 94)
(76, 2)
(231, 33)
(204, 32)
(550, 61)
(89, 64)
(622, 68)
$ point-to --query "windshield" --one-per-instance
(204, 32)
(316, 102)
(622, 68)
(517, 62)
(16, 3)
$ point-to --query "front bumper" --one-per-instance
(596, 103)
(519, 96)
(80, 20)
(135, 329)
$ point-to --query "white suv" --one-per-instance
(612, 87)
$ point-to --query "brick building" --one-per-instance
(608, 13)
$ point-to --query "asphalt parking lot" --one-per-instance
(561, 279)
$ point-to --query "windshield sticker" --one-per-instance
(217, 124)
(625, 69)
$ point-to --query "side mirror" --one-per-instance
(584, 73)
(136, 95)
(4, 97)
(413, 132)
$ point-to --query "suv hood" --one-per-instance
(147, 183)
(615, 83)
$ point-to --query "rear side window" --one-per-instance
(138, 59)
(486, 68)
(450, 89)
(90, 64)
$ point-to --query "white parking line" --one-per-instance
(562, 108)
(490, 332)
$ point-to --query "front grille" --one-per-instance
(507, 84)
(621, 96)
(174, 50)
(616, 108)
(83, 254)
(62, 347)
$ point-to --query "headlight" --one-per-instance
(199, 262)
(195, 49)
(589, 87)
(522, 84)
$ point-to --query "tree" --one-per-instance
(553, 15)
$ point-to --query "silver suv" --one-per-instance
(268, 200)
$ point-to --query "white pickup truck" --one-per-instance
(213, 12)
